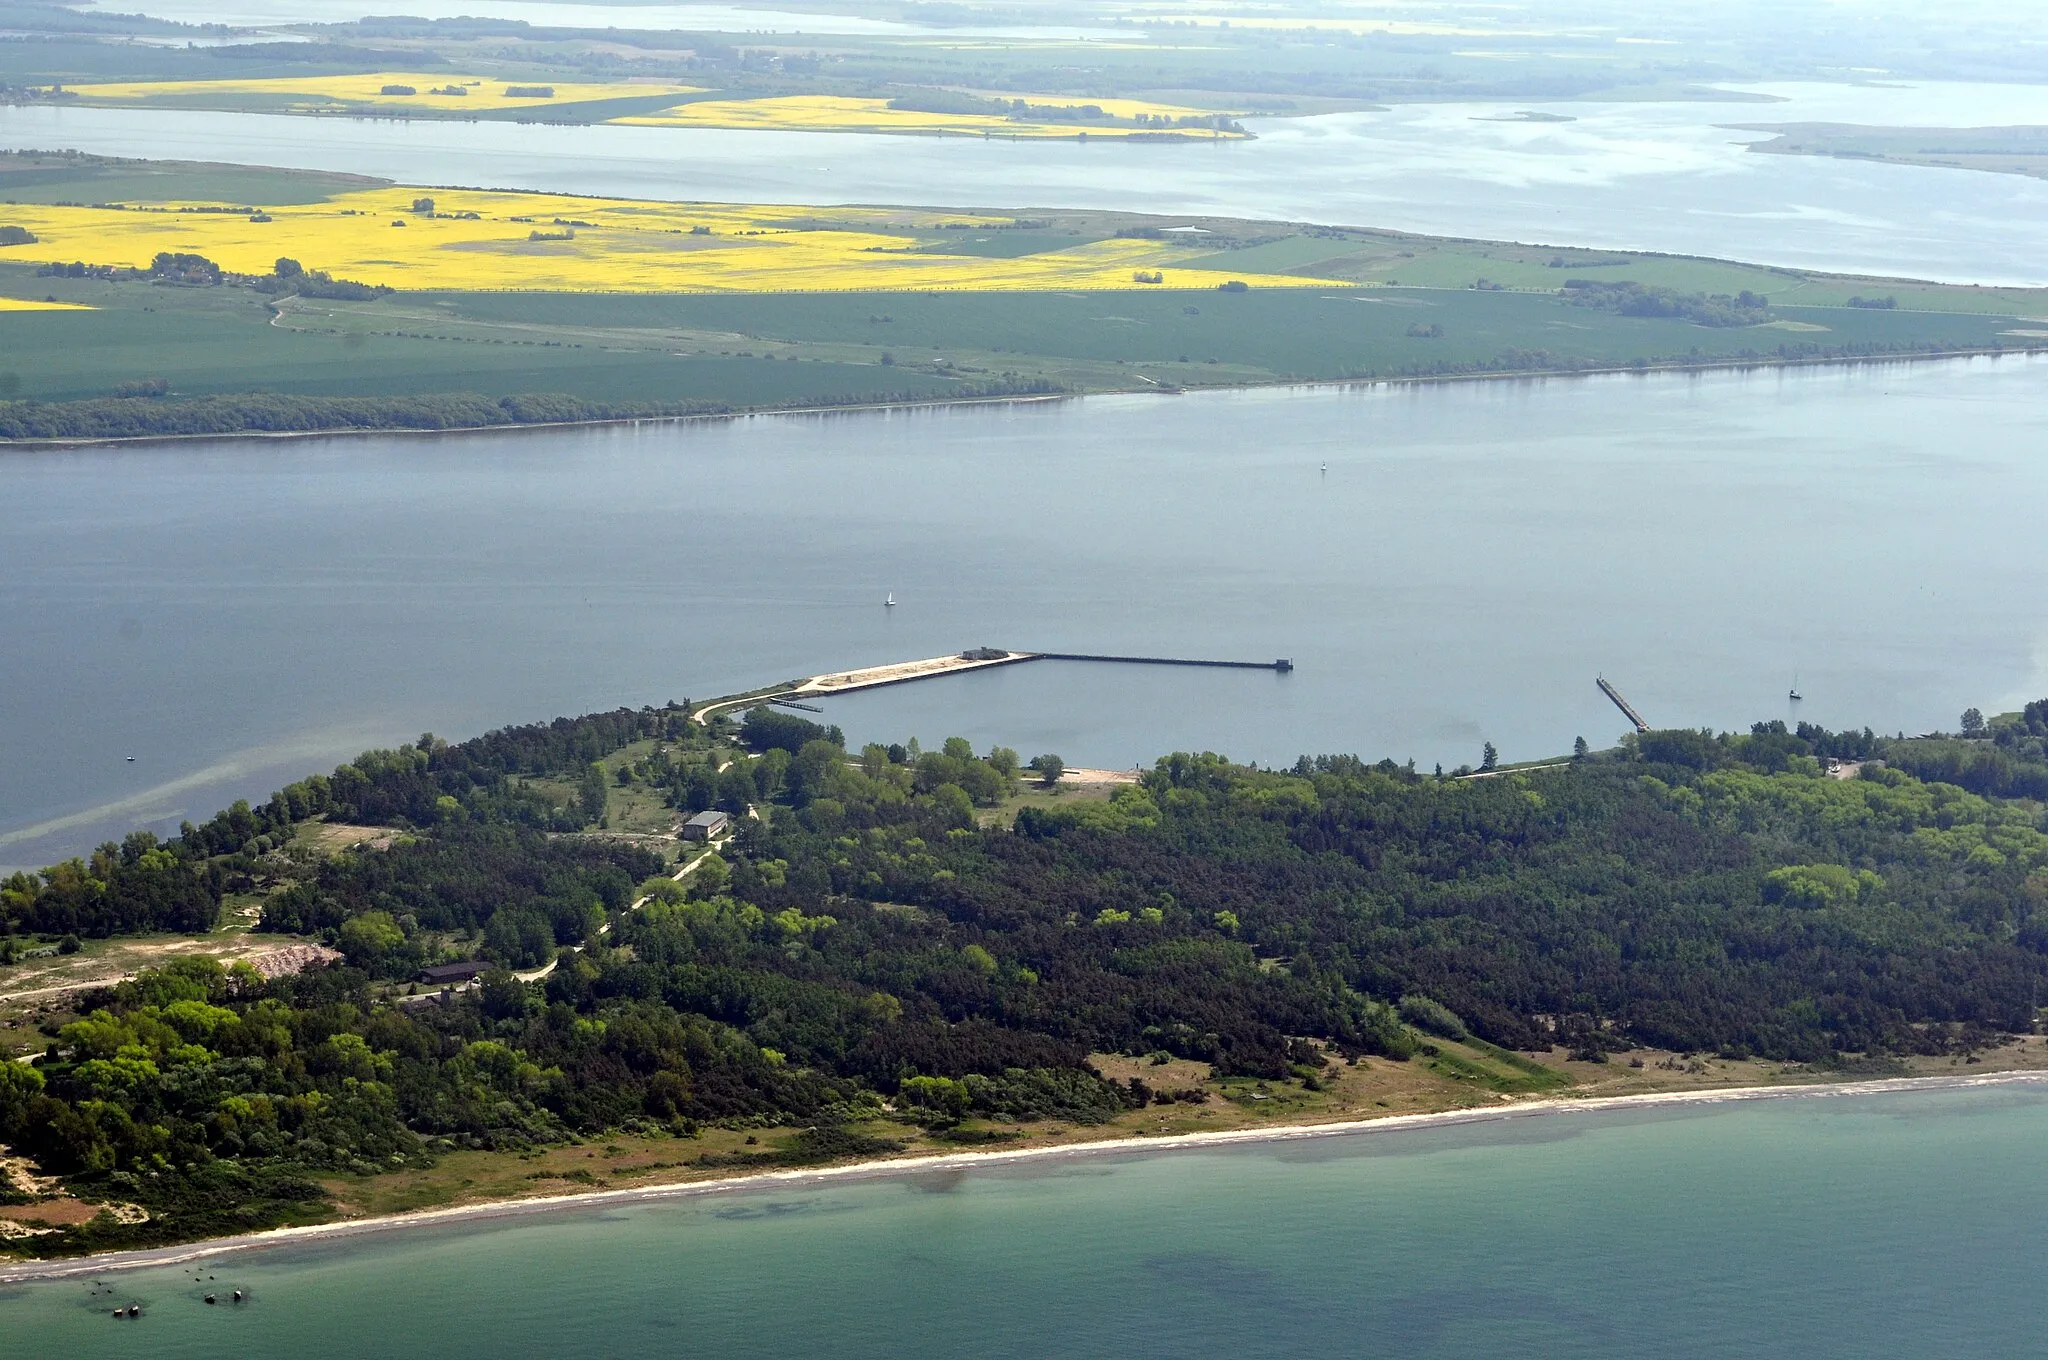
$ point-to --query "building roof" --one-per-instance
(453, 972)
(708, 819)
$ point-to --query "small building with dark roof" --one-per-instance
(704, 826)
(447, 974)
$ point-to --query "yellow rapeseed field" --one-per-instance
(314, 93)
(832, 113)
(479, 240)
(13, 304)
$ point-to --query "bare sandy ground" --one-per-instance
(263, 953)
(16, 1272)
(839, 682)
(1088, 776)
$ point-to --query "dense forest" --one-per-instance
(881, 930)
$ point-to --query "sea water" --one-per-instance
(1906, 1223)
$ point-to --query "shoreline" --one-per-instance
(1032, 398)
(22, 1272)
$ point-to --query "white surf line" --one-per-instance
(17, 1272)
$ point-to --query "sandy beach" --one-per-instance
(23, 1271)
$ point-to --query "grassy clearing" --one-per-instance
(1033, 794)
(1495, 1069)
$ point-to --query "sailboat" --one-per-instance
(890, 603)
(1793, 693)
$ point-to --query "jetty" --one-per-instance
(1621, 703)
(794, 693)
(902, 672)
(1282, 664)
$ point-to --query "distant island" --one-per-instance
(276, 302)
(2000, 150)
(708, 939)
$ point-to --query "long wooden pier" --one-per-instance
(931, 668)
(1283, 665)
(1621, 703)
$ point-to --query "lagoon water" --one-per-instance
(237, 614)
(1843, 1226)
(1671, 176)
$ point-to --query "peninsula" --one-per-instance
(495, 970)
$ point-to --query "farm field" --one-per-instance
(647, 102)
(383, 91)
(633, 306)
(13, 304)
(782, 349)
(466, 239)
(835, 113)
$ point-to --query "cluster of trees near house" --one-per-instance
(876, 934)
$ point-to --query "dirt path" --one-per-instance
(536, 974)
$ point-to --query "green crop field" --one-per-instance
(207, 341)
(777, 349)
(1188, 335)
(39, 178)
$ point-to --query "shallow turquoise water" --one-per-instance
(1905, 1223)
